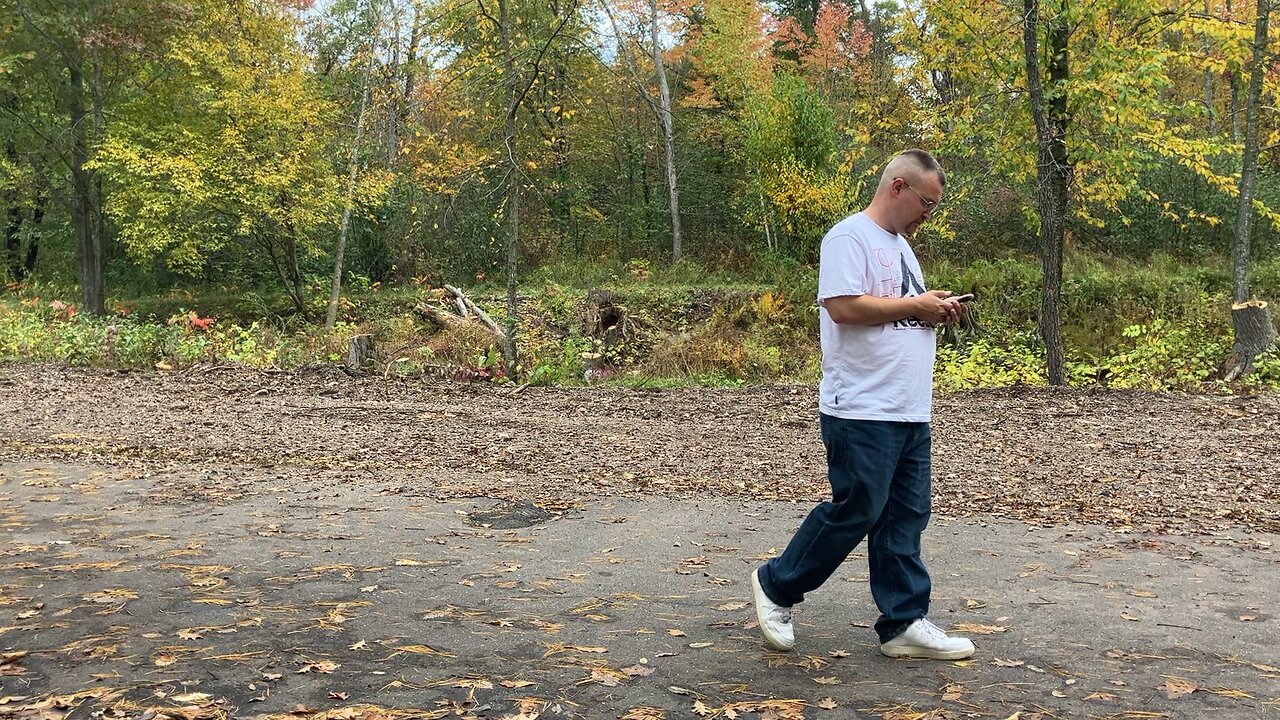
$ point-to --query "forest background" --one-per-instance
(634, 191)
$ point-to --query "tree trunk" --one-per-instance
(513, 188)
(22, 265)
(360, 352)
(28, 266)
(1053, 172)
(295, 273)
(405, 103)
(1254, 332)
(289, 270)
(83, 214)
(331, 315)
(1208, 81)
(13, 228)
(1249, 166)
(668, 133)
(1233, 79)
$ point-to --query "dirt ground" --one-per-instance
(228, 543)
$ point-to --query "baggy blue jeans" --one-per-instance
(880, 490)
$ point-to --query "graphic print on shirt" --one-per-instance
(911, 287)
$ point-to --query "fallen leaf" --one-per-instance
(1176, 687)
(739, 605)
(679, 690)
(516, 683)
(407, 563)
(324, 666)
(194, 698)
(1130, 616)
(27, 614)
(112, 595)
(1000, 662)
(606, 677)
(1248, 618)
(339, 695)
(362, 645)
(165, 660)
(827, 680)
(1104, 696)
(1058, 693)
(638, 670)
(1231, 693)
(422, 650)
(699, 645)
(644, 713)
(838, 653)
(976, 629)
(700, 709)
(675, 633)
(190, 634)
(828, 703)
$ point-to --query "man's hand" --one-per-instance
(937, 309)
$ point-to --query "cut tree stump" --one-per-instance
(1254, 334)
(359, 353)
(604, 320)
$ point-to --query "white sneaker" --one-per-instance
(923, 639)
(775, 620)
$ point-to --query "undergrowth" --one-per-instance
(1162, 325)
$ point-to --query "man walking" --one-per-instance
(878, 345)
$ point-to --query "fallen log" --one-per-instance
(442, 319)
(483, 316)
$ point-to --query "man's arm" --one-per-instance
(932, 306)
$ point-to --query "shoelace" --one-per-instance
(933, 631)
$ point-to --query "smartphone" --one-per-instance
(968, 297)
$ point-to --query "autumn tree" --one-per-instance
(86, 56)
(237, 162)
(1081, 114)
(1251, 318)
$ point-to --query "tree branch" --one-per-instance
(537, 63)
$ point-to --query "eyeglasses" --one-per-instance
(929, 205)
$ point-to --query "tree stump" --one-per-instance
(359, 353)
(603, 320)
(1254, 335)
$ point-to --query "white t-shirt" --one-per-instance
(881, 372)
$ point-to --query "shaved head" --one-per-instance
(912, 165)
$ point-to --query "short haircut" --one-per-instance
(911, 164)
